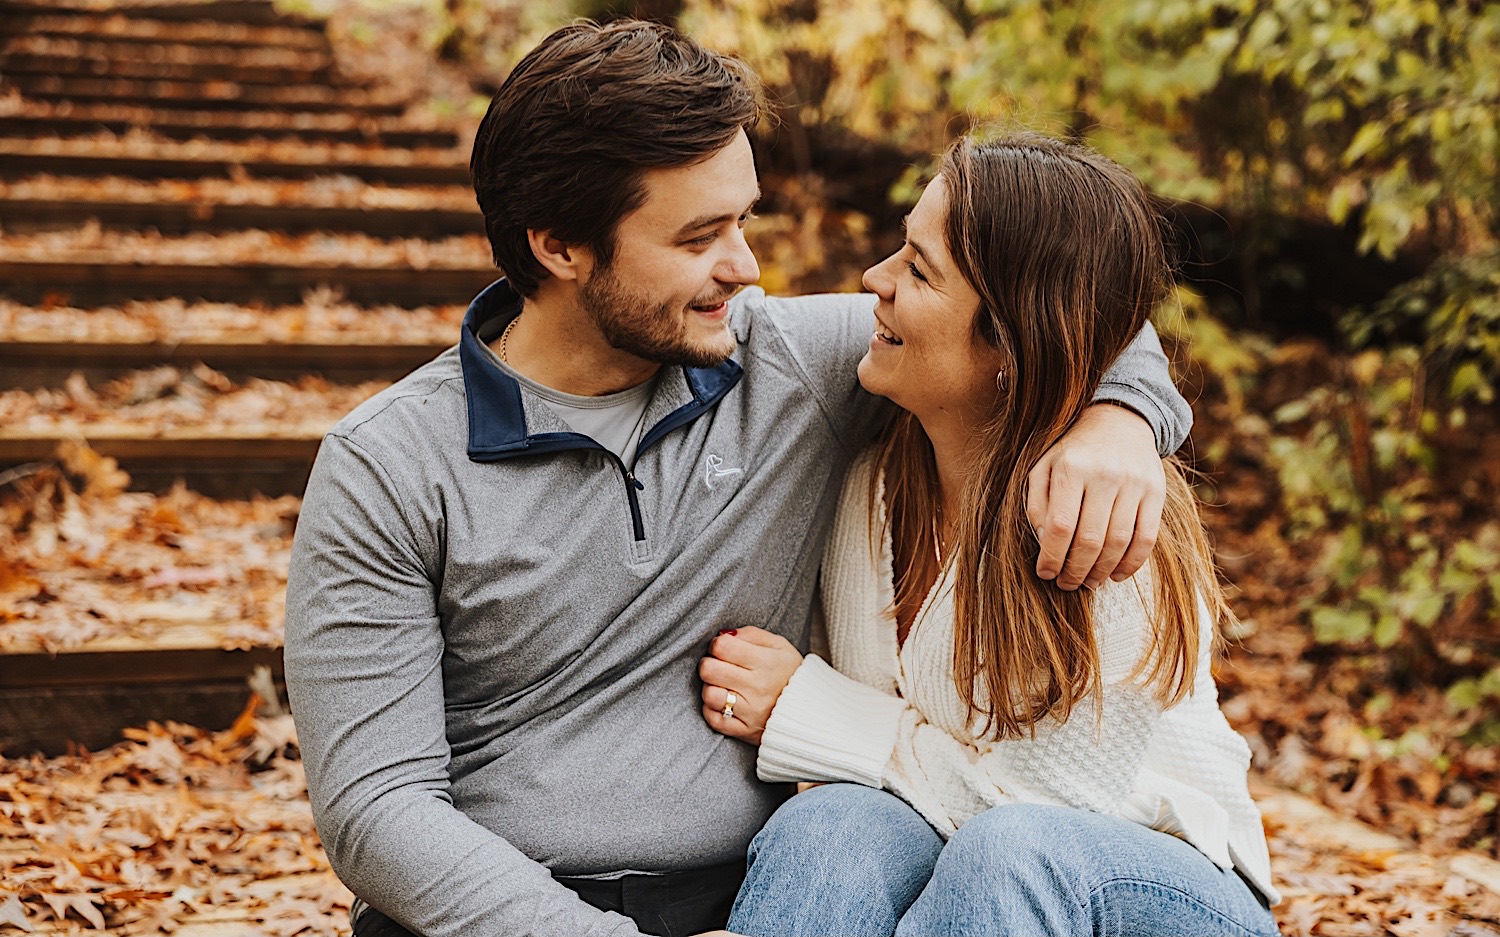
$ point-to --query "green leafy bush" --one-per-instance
(1409, 575)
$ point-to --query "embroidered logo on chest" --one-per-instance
(714, 471)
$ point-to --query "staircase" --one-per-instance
(212, 246)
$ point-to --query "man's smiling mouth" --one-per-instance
(712, 307)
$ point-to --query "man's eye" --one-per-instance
(915, 272)
(703, 241)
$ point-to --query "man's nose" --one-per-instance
(740, 265)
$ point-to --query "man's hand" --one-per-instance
(754, 665)
(1096, 499)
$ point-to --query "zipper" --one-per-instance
(558, 442)
(632, 485)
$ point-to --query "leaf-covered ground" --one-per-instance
(174, 830)
(178, 830)
(84, 562)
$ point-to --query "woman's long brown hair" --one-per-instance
(1067, 256)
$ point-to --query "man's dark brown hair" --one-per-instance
(568, 136)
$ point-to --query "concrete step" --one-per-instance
(71, 121)
(122, 25)
(206, 95)
(245, 12)
(33, 66)
(106, 280)
(153, 159)
(22, 215)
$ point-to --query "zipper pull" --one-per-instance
(634, 482)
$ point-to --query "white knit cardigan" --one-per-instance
(892, 717)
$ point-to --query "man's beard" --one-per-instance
(631, 323)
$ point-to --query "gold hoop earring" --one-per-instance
(1000, 379)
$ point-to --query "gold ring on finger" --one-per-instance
(729, 702)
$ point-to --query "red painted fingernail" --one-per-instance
(730, 631)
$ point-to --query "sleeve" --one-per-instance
(364, 648)
(821, 339)
(829, 727)
(1141, 380)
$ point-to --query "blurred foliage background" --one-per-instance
(1330, 170)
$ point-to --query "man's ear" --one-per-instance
(564, 261)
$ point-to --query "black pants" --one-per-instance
(676, 904)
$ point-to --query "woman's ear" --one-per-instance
(564, 261)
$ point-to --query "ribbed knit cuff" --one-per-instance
(829, 727)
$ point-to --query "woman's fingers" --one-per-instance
(759, 637)
(721, 679)
(731, 648)
(718, 699)
(749, 647)
(740, 721)
(754, 665)
(730, 726)
(725, 674)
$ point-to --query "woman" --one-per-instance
(1024, 760)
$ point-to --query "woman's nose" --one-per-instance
(877, 280)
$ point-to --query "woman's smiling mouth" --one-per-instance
(884, 334)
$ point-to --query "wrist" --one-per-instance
(1120, 417)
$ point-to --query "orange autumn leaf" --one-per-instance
(102, 475)
(16, 579)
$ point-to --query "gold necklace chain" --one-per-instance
(505, 338)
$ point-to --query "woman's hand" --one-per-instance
(754, 665)
(1095, 499)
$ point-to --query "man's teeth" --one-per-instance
(886, 334)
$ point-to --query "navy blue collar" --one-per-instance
(497, 416)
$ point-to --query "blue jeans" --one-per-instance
(849, 861)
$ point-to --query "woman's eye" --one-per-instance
(915, 272)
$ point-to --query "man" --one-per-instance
(509, 563)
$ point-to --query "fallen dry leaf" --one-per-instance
(13, 912)
(84, 905)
